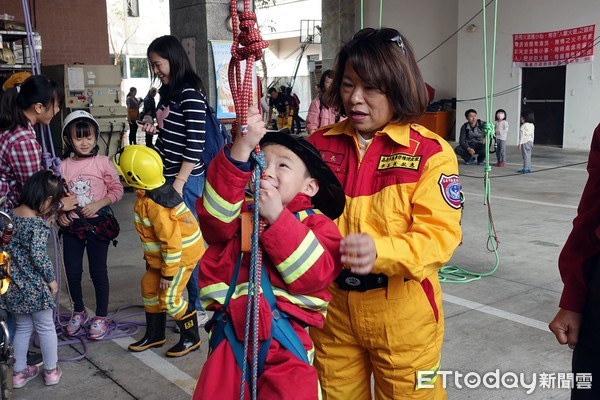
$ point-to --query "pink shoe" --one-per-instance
(21, 378)
(78, 319)
(98, 328)
(52, 376)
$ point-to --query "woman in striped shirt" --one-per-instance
(181, 117)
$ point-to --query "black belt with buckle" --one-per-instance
(346, 280)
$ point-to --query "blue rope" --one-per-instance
(252, 307)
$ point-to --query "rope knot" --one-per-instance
(488, 129)
(259, 159)
(249, 38)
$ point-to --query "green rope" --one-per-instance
(454, 273)
(362, 14)
(380, 12)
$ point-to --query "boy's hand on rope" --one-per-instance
(269, 201)
(358, 253)
(244, 145)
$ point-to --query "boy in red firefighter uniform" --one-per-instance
(172, 244)
(300, 246)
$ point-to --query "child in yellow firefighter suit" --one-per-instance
(172, 245)
(300, 251)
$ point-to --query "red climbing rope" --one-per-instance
(247, 46)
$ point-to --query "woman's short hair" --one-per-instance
(39, 187)
(385, 60)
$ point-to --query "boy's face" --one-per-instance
(287, 172)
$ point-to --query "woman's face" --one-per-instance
(44, 114)
(368, 109)
(160, 67)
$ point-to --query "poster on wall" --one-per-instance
(551, 49)
(222, 56)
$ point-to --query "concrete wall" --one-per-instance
(426, 23)
(456, 68)
(71, 31)
(200, 21)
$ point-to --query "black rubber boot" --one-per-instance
(155, 332)
(189, 338)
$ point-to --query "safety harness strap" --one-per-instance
(281, 328)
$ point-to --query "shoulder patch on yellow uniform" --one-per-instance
(450, 188)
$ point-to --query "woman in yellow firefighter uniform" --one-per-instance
(400, 225)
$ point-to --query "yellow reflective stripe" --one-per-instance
(151, 247)
(174, 304)
(191, 240)
(150, 301)
(426, 380)
(311, 355)
(308, 302)
(181, 209)
(302, 215)
(218, 207)
(241, 290)
(300, 261)
(171, 258)
(218, 292)
(215, 292)
(138, 220)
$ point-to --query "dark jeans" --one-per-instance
(586, 356)
(479, 152)
(132, 132)
(97, 252)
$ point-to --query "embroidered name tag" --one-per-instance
(399, 160)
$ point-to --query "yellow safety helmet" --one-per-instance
(140, 166)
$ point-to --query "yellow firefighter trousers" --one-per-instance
(369, 333)
(157, 300)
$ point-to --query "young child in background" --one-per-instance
(30, 295)
(526, 137)
(94, 181)
(172, 245)
(301, 258)
(501, 126)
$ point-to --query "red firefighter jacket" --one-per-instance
(301, 256)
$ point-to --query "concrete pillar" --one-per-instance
(195, 23)
(341, 19)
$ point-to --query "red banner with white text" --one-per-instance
(550, 49)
